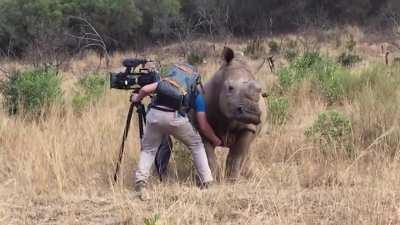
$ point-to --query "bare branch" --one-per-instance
(92, 37)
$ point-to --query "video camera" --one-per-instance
(131, 80)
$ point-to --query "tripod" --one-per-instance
(141, 111)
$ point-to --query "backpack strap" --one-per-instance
(185, 68)
(176, 84)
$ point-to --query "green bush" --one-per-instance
(332, 129)
(286, 77)
(25, 21)
(32, 92)
(308, 60)
(278, 109)
(333, 83)
(332, 80)
(90, 90)
(298, 70)
(152, 220)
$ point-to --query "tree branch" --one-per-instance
(92, 37)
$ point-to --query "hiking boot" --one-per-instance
(140, 188)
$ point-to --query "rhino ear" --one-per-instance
(228, 55)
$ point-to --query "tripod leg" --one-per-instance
(142, 118)
(121, 150)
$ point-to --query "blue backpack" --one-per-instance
(178, 88)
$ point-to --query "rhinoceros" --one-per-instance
(236, 111)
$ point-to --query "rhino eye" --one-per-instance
(230, 88)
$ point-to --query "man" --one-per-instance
(166, 118)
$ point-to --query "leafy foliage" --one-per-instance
(32, 92)
(299, 69)
(125, 23)
(152, 220)
(332, 129)
(90, 89)
(331, 125)
(278, 109)
(331, 79)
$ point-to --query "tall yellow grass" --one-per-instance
(59, 171)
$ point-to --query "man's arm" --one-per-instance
(143, 92)
(206, 129)
(204, 126)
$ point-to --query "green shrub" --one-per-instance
(152, 220)
(308, 60)
(348, 59)
(90, 89)
(332, 129)
(32, 92)
(298, 70)
(255, 49)
(286, 77)
(332, 80)
(335, 84)
(278, 109)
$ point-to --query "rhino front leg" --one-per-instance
(238, 155)
(212, 160)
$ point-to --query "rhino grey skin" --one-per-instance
(236, 111)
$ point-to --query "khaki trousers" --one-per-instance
(160, 123)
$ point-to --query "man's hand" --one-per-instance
(206, 129)
(135, 98)
(143, 92)
(217, 142)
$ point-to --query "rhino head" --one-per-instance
(240, 93)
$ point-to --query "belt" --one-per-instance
(162, 109)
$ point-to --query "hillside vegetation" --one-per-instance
(66, 26)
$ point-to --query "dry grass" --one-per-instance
(59, 171)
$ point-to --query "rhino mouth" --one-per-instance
(247, 114)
